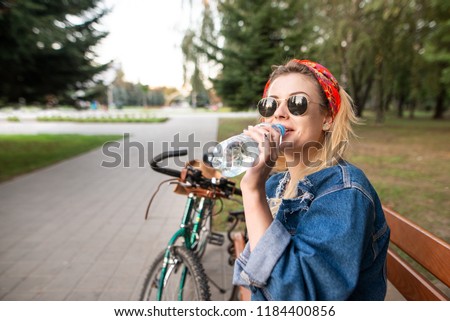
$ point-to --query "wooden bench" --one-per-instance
(432, 253)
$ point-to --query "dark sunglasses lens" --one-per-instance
(267, 107)
(297, 105)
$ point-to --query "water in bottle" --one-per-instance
(236, 154)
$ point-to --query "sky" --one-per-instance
(145, 39)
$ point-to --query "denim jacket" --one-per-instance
(329, 243)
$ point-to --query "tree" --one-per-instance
(383, 52)
(48, 48)
(383, 17)
(129, 94)
(191, 68)
(437, 50)
(346, 46)
(254, 35)
(195, 59)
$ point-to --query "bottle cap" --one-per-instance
(280, 128)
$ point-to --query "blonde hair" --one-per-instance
(335, 140)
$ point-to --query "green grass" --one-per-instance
(407, 161)
(13, 119)
(125, 119)
(20, 154)
(233, 126)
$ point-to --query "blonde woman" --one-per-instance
(316, 228)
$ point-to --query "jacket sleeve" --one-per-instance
(321, 261)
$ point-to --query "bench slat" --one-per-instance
(428, 250)
(412, 285)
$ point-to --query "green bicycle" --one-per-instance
(177, 272)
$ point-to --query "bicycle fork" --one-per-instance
(170, 264)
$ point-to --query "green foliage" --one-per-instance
(257, 35)
(109, 119)
(437, 44)
(193, 58)
(13, 119)
(47, 51)
(386, 54)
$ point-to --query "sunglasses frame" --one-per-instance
(278, 103)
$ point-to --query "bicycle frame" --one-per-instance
(204, 186)
(188, 234)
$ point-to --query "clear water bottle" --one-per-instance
(236, 154)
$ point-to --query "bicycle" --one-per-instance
(177, 272)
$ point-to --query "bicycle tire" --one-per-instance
(196, 287)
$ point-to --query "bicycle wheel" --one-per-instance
(195, 288)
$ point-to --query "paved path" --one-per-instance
(76, 230)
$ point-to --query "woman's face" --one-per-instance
(303, 130)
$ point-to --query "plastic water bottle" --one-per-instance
(236, 154)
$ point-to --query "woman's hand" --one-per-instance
(257, 212)
(268, 140)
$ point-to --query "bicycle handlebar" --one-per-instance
(163, 156)
(223, 184)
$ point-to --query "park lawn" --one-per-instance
(20, 154)
(123, 119)
(407, 161)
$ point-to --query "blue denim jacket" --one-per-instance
(329, 243)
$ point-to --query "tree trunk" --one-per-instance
(379, 112)
(387, 101)
(412, 109)
(367, 90)
(440, 103)
(379, 118)
(358, 108)
(356, 94)
(401, 103)
(361, 94)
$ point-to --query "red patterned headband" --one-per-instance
(326, 80)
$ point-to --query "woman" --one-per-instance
(316, 230)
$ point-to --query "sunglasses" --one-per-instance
(297, 105)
